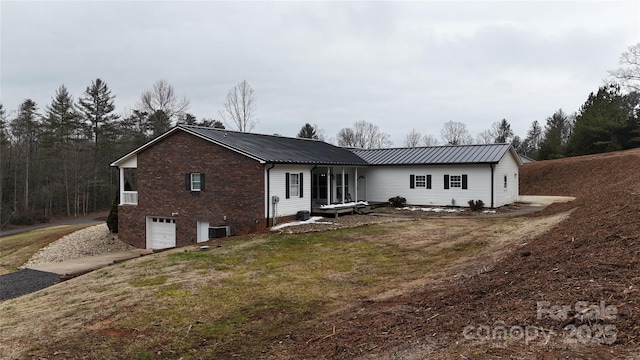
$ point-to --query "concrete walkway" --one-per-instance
(541, 200)
(75, 267)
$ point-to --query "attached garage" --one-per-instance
(161, 232)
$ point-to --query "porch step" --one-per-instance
(363, 209)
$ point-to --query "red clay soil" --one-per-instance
(592, 257)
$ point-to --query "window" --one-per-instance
(455, 181)
(194, 182)
(293, 185)
(505, 181)
(420, 181)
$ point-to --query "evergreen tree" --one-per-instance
(308, 132)
(556, 134)
(97, 106)
(25, 129)
(61, 122)
(603, 123)
(504, 134)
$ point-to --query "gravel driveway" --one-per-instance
(24, 282)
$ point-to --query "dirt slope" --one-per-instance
(592, 257)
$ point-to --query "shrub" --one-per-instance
(476, 205)
(397, 201)
(112, 219)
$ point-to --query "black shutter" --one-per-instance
(201, 182)
(446, 181)
(187, 182)
(464, 181)
(412, 181)
(428, 181)
(286, 185)
(300, 182)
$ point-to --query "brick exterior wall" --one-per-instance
(234, 187)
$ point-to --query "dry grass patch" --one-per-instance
(243, 299)
(15, 250)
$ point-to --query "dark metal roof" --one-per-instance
(452, 154)
(277, 149)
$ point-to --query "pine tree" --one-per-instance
(61, 122)
(308, 132)
(601, 123)
(97, 106)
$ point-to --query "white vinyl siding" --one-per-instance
(506, 193)
(277, 187)
(386, 182)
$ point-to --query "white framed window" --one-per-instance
(505, 181)
(455, 181)
(196, 182)
(419, 181)
(294, 184)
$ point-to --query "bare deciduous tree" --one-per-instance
(486, 137)
(430, 140)
(239, 110)
(363, 135)
(163, 99)
(412, 139)
(628, 74)
(455, 133)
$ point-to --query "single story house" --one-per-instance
(194, 183)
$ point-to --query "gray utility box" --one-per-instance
(303, 215)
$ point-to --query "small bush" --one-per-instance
(112, 219)
(476, 205)
(397, 201)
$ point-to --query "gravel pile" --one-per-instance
(92, 241)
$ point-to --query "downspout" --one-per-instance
(268, 193)
(311, 192)
(492, 187)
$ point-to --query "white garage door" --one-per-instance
(161, 232)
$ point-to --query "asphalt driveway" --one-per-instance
(24, 282)
(89, 219)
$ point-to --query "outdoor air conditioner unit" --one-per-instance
(216, 232)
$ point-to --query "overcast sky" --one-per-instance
(398, 65)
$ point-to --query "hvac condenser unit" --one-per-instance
(219, 232)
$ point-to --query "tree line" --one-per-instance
(54, 161)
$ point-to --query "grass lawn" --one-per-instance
(247, 297)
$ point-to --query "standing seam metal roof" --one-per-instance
(451, 154)
(278, 149)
